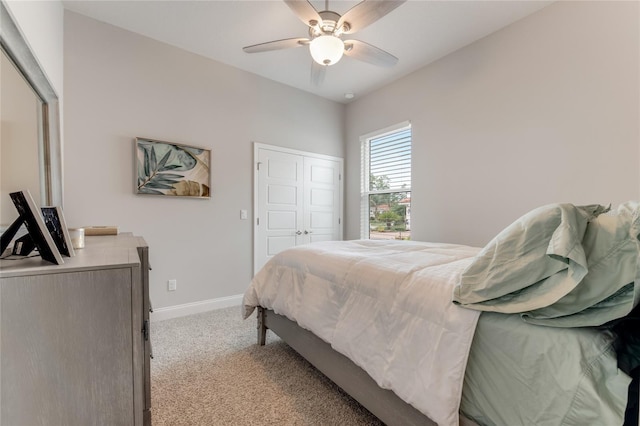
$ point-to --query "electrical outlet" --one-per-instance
(172, 284)
(243, 214)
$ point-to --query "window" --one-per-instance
(386, 184)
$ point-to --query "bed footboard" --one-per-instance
(382, 403)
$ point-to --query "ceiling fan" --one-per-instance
(326, 29)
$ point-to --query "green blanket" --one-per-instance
(524, 374)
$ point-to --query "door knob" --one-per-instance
(307, 232)
(299, 232)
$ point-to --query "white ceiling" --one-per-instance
(418, 33)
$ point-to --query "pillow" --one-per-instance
(530, 264)
(608, 291)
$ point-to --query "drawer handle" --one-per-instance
(145, 330)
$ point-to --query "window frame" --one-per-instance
(365, 192)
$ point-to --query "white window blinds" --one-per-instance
(390, 161)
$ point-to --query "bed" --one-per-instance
(517, 332)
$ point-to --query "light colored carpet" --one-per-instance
(208, 370)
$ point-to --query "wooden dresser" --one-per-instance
(74, 338)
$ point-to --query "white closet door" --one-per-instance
(279, 203)
(298, 199)
(322, 199)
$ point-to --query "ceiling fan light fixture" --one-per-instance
(326, 49)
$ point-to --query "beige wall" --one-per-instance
(545, 110)
(119, 85)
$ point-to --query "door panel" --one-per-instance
(282, 194)
(322, 173)
(282, 167)
(276, 244)
(322, 220)
(321, 197)
(278, 220)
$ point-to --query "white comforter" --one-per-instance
(387, 306)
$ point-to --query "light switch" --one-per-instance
(172, 285)
(243, 214)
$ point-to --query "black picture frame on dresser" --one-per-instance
(57, 226)
(31, 217)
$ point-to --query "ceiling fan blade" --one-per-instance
(365, 13)
(304, 11)
(276, 45)
(365, 52)
(317, 73)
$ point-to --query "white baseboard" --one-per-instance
(176, 311)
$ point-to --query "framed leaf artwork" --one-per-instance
(172, 169)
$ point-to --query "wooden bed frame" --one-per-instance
(382, 403)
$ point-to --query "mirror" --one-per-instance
(21, 159)
(30, 151)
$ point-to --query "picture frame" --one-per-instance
(54, 221)
(31, 217)
(172, 169)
